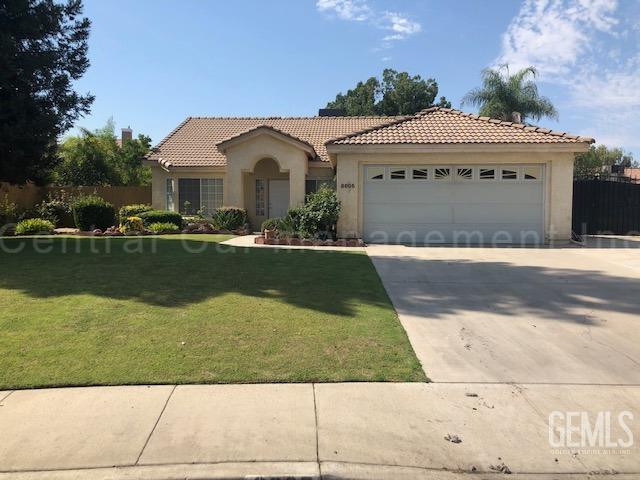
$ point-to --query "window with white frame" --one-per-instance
(420, 174)
(375, 173)
(199, 194)
(169, 195)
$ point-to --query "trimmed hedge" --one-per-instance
(92, 212)
(160, 227)
(161, 216)
(131, 225)
(229, 218)
(133, 210)
(34, 226)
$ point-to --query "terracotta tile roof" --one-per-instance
(438, 125)
(194, 142)
(272, 129)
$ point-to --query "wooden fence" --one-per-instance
(26, 196)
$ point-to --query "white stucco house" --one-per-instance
(440, 176)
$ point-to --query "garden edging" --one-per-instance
(298, 242)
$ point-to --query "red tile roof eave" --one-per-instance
(343, 140)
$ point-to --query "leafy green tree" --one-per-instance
(43, 50)
(95, 158)
(397, 93)
(591, 163)
(129, 161)
(513, 98)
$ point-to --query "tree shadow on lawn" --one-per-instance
(439, 288)
(174, 272)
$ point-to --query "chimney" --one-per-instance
(516, 117)
(331, 112)
(127, 134)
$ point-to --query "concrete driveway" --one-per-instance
(525, 315)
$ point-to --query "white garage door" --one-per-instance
(461, 204)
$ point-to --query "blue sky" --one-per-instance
(155, 62)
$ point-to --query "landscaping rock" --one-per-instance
(259, 240)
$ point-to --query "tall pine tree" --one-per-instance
(43, 49)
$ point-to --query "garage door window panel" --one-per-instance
(442, 173)
(375, 173)
(464, 173)
(420, 174)
(509, 174)
(487, 173)
(532, 173)
(397, 173)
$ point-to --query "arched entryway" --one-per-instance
(266, 191)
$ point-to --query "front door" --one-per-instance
(278, 198)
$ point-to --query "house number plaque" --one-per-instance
(347, 185)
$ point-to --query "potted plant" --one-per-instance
(270, 228)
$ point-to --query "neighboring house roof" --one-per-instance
(194, 142)
(438, 125)
(633, 173)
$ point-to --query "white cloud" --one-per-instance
(553, 34)
(352, 10)
(400, 25)
(590, 50)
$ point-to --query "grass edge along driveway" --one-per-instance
(185, 309)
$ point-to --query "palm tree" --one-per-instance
(513, 98)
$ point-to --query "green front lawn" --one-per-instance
(184, 309)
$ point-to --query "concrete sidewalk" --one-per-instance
(352, 430)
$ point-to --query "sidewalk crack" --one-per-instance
(155, 424)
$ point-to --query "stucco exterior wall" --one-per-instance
(242, 159)
(558, 182)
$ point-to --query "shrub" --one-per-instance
(133, 210)
(161, 216)
(56, 211)
(229, 218)
(8, 211)
(91, 212)
(289, 225)
(131, 225)
(163, 227)
(270, 224)
(34, 226)
(319, 215)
